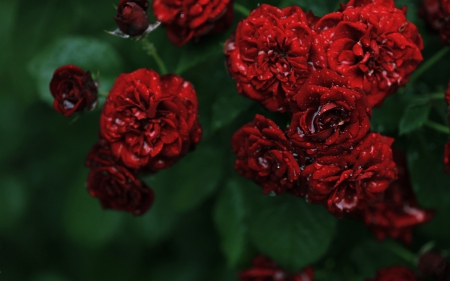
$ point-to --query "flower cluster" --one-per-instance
(148, 123)
(436, 14)
(327, 74)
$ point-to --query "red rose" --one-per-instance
(394, 273)
(353, 179)
(264, 269)
(362, 3)
(398, 213)
(265, 156)
(328, 116)
(116, 186)
(185, 20)
(73, 90)
(268, 55)
(447, 157)
(374, 46)
(150, 121)
(436, 14)
(132, 17)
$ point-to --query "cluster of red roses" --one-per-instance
(326, 74)
(430, 264)
(436, 14)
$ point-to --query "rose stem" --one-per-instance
(436, 96)
(438, 127)
(401, 251)
(427, 64)
(241, 9)
(151, 51)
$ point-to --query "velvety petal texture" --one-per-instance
(73, 90)
(116, 186)
(328, 116)
(188, 19)
(268, 55)
(265, 156)
(373, 45)
(263, 269)
(354, 179)
(132, 17)
(150, 121)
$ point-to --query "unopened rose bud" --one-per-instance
(132, 17)
(73, 90)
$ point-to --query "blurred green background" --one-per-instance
(51, 230)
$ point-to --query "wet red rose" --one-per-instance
(132, 16)
(328, 116)
(398, 213)
(268, 55)
(394, 273)
(434, 265)
(73, 90)
(436, 14)
(150, 121)
(264, 269)
(350, 181)
(374, 46)
(116, 186)
(265, 156)
(185, 20)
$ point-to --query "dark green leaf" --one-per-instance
(88, 53)
(290, 231)
(230, 216)
(227, 107)
(12, 202)
(414, 118)
(193, 54)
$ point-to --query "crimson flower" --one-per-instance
(268, 55)
(150, 121)
(73, 90)
(374, 46)
(398, 213)
(116, 186)
(397, 273)
(264, 269)
(350, 181)
(328, 116)
(185, 20)
(436, 14)
(264, 155)
(132, 17)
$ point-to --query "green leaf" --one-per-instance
(84, 219)
(194, 178)
(194, 54)
(88, 53)
(13, 202)
(290, 231)
(230, 216)
(227, 107)
(414, 118)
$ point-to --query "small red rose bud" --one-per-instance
(73, 90)
(433, 264)
(132, 17)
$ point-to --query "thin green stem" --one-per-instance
(438, 127)
(428, 63)
(151, 51)
(436, 96)
(241, 9)
(401, 251)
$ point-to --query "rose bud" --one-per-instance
(116, 186)
(132, 17)
(397, 273)
(264, 155)
(264, 269)
(373, 46)
(268, 55)
(398, 213)
(185, 20)
(150, 121)
(328, 116)
(73, 90)
(353, 179)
